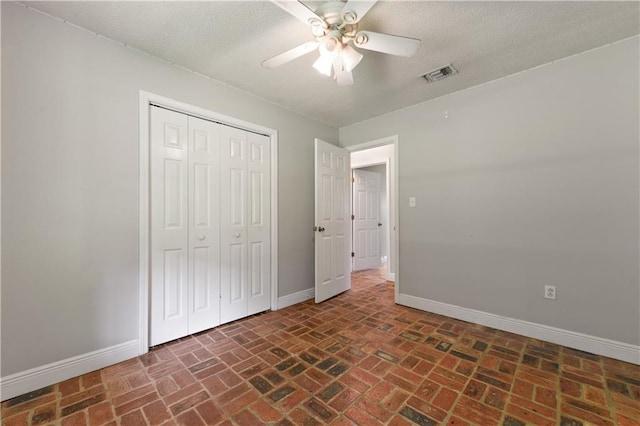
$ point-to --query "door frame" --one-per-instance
(145, 100)
(392, 199)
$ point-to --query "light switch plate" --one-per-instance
(412, 201)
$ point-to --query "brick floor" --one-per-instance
(355, 359)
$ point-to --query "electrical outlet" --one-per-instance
(550, 292)
(412, 201)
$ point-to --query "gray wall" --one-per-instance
(531, 180)
(384, 214)
(70, 184)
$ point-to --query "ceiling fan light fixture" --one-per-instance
(340, 74)
(323, 64)
(330, 45)
(334, 25)
(350, 58)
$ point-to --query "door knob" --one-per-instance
(202, 237)
(321, 229)
(379, 224)
(237, 235)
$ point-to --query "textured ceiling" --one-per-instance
(227, 41)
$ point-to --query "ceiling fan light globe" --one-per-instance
(330, 47)
(323, 65)
(350, 58)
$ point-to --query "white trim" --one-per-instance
(146, 99)
(0, 183)
(297, 297)
(39, 377)
(394, 211)
(143, 324)
(388, 140)
(274, 221)
(391, 256)
(584, 342)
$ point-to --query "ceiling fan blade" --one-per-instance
(301, 12)
(387, 43)
(290, 54)
(355, 10)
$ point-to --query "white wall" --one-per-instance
(522, 182)
(70, 184)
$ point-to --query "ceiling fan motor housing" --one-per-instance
(331, 12)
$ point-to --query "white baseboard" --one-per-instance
(584, 342)
(292, 299)
(39, 377)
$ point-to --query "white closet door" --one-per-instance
(204, 225)
(259, 223)
(169, 225)
(233, 224)
(210, 224)
(245, 224)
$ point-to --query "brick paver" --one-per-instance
(355, 359)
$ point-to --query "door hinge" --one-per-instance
(353, 179)
(353, 217)
(353, 254)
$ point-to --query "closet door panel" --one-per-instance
(169, 226)
(204, 224)
(259, 223)
(210, 224)
(233, 224)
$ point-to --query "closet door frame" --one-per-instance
(146, 100)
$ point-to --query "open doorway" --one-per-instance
(369, 221)
(371, 159)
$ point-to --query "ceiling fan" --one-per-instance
(334, 25)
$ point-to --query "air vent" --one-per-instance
(440, 73)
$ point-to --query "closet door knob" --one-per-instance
(202, 237)
(237, 235)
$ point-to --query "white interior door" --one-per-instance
(233, 231)
(366, 223)
(204, 224)
(259, 223)
(332, 239)
(245, 224)
(169, 244)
